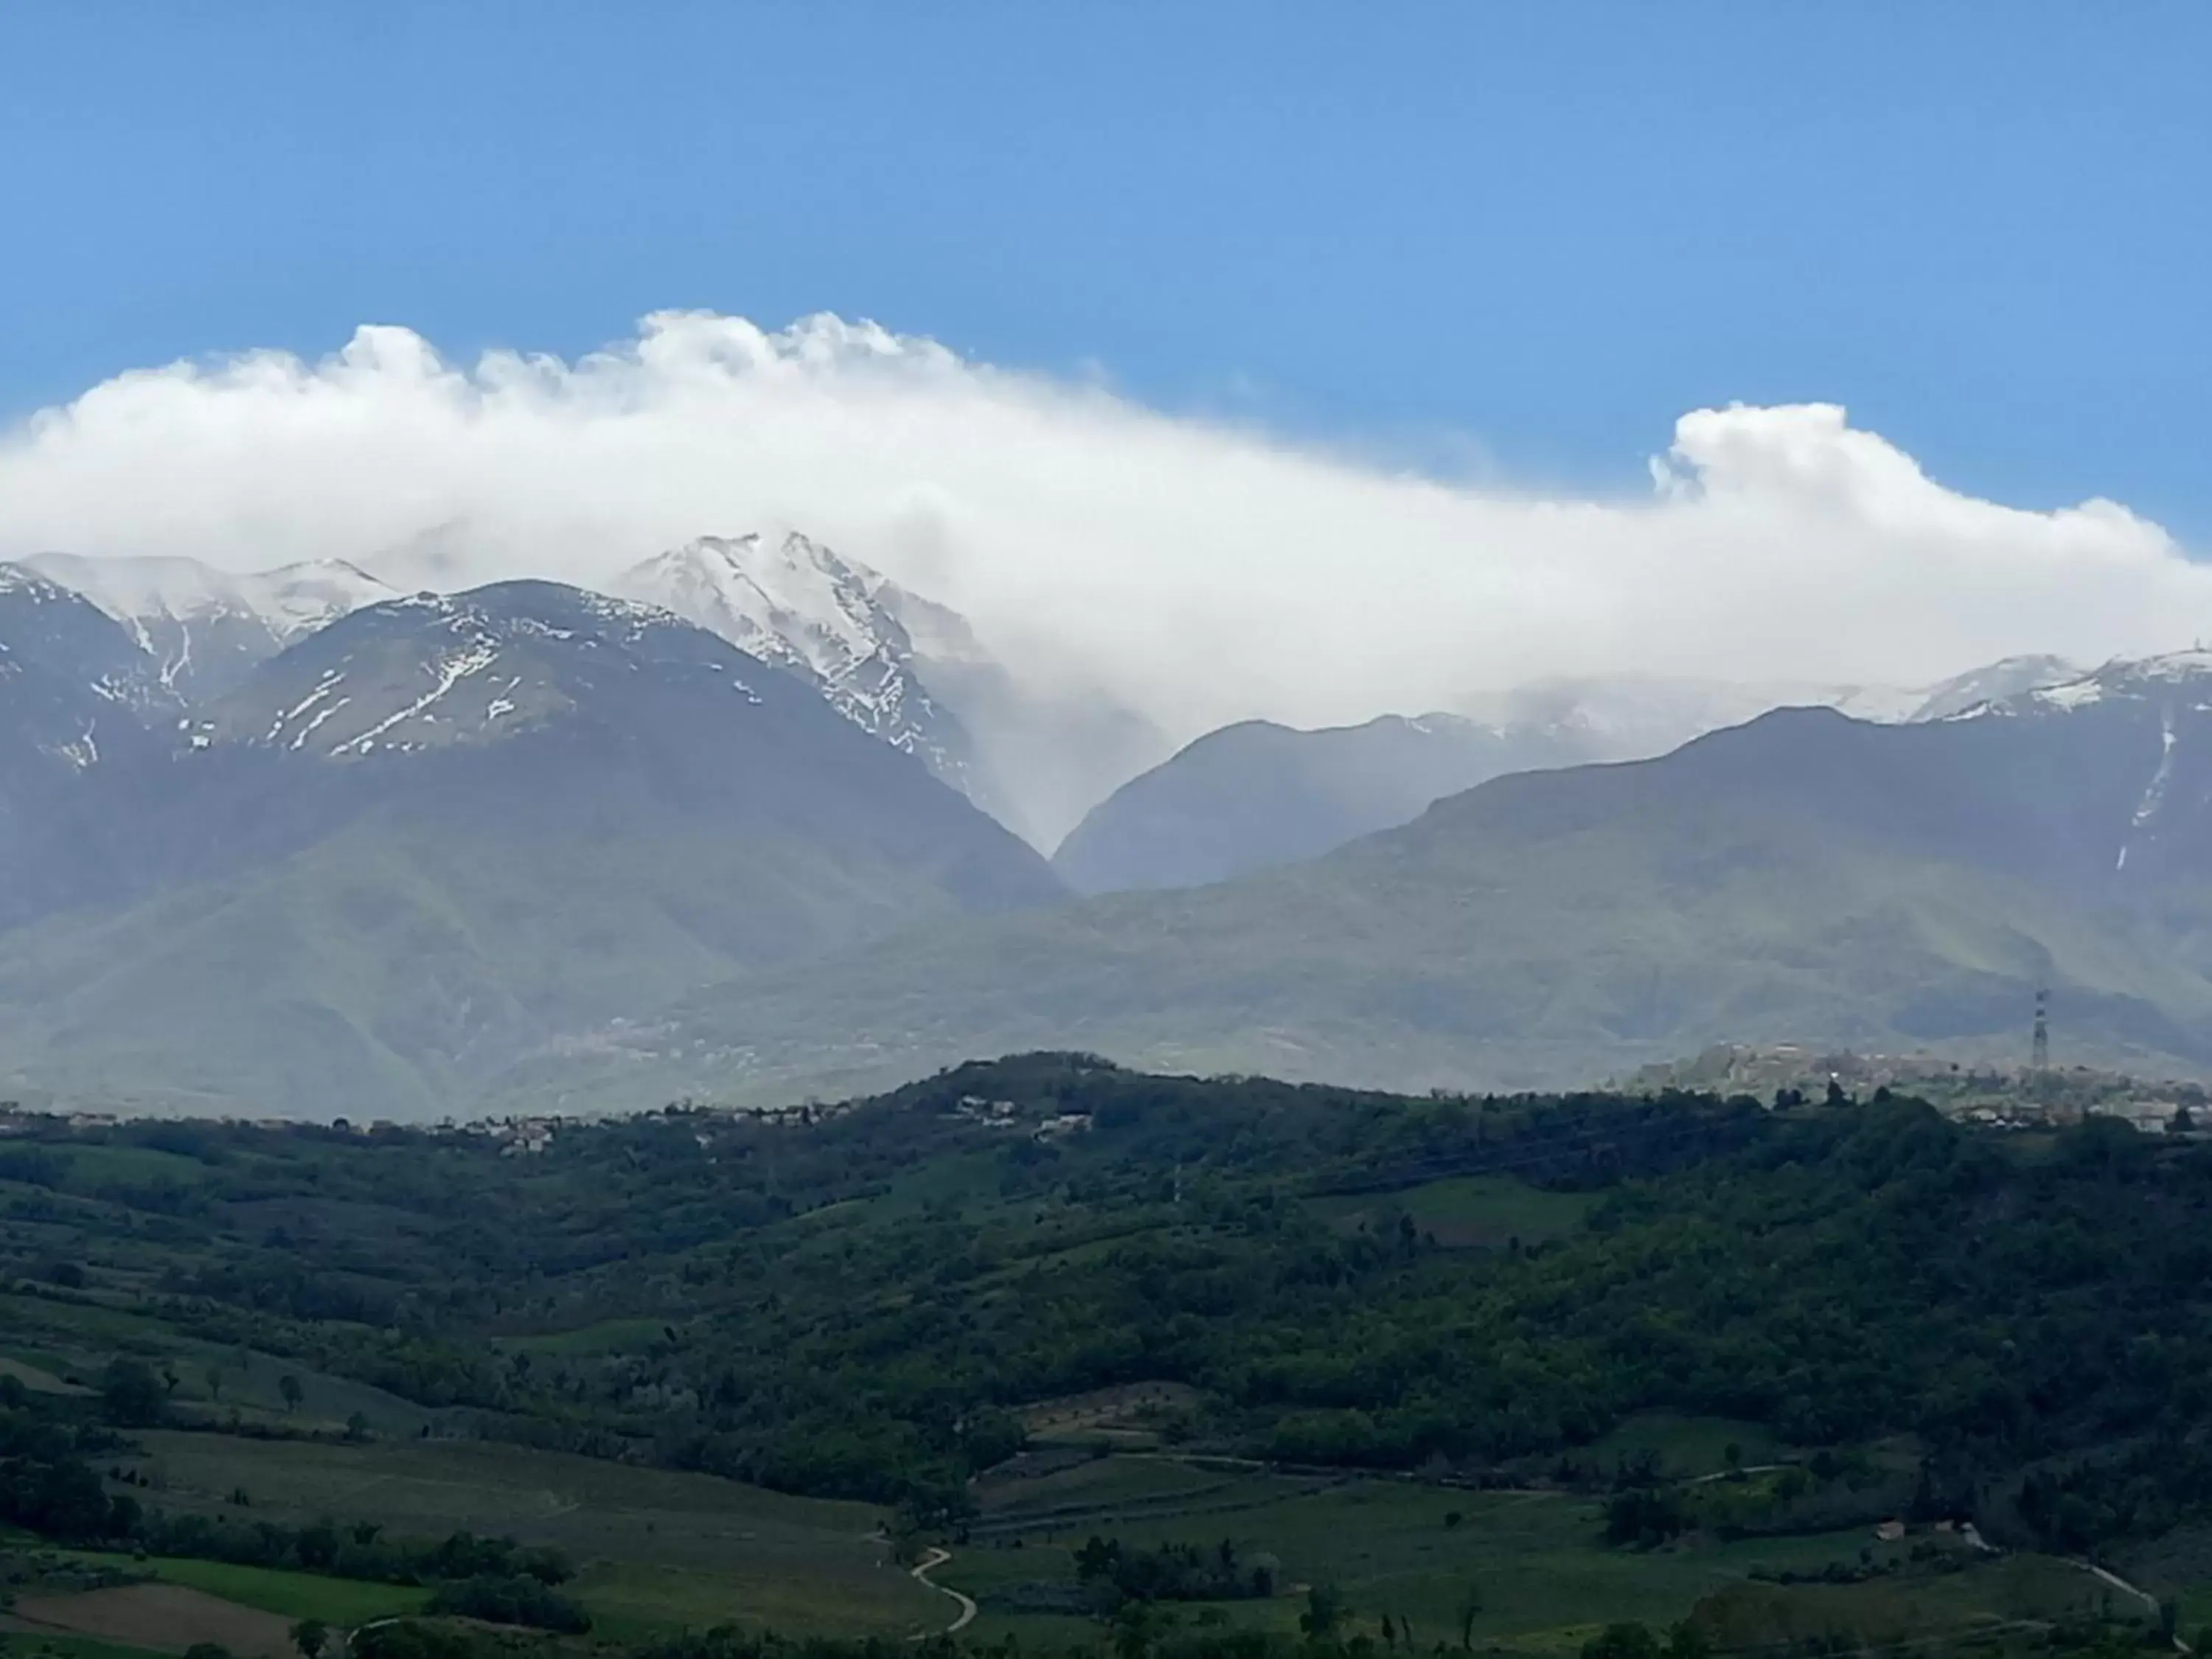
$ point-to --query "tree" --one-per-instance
(131, 1394)
(1470, 1609)
(1326, 1609)
(311, 1636)
(289, 1386)
(215, 1382)
(1134, 1625)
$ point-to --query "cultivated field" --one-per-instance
(1545, 1579)
(658, 1549)
(164, 1618)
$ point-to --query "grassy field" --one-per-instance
(659, 1549)
(1545, 1579)
(75, 1339)
(1686, 1446)
(2019, 1590)
(344, 1602)
(25, 1643)
(39, 1379)
(1465, 1212)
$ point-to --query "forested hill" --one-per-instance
(872, 1301)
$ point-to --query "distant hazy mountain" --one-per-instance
(906, 668)
(205, 629)
(1636, 717)
(1804, 877)
(1255, 796)
(443, 834)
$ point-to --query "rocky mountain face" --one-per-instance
(205, 629)
(908, 670)
(832, 622)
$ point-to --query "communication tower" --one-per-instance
(2040, 1061)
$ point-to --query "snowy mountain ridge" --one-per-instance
(72, 685)
(206, 629)
(431, 670)
(1632, 717)
(801, 607)
(2138, 679)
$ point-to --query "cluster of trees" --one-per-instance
(1116, 1573)
(357, 1551)
(1646, 1516)
(48, 1486)
(512, 1599)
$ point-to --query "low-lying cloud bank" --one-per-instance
(1202, 573)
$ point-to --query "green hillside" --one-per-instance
(1279, 1352)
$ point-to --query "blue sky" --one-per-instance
(1513, 239)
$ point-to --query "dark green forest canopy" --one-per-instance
(858, 1301)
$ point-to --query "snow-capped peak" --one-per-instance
(205, 628)
(299, 599)
(2139, 678)
(289, 601)
(830, 620)
(793, 603)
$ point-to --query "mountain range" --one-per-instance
(431, 839)
(1806, 877)
(1257, 795)
(295, 843)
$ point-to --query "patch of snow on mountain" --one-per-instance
(448, 673)
(2141, 679)
(299, 599)
(833, 622)
(204, 629)
(292, 600)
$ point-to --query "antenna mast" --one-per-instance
(2040, 1061)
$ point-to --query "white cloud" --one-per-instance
(1203, 574)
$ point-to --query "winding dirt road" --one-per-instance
(919, 1573)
